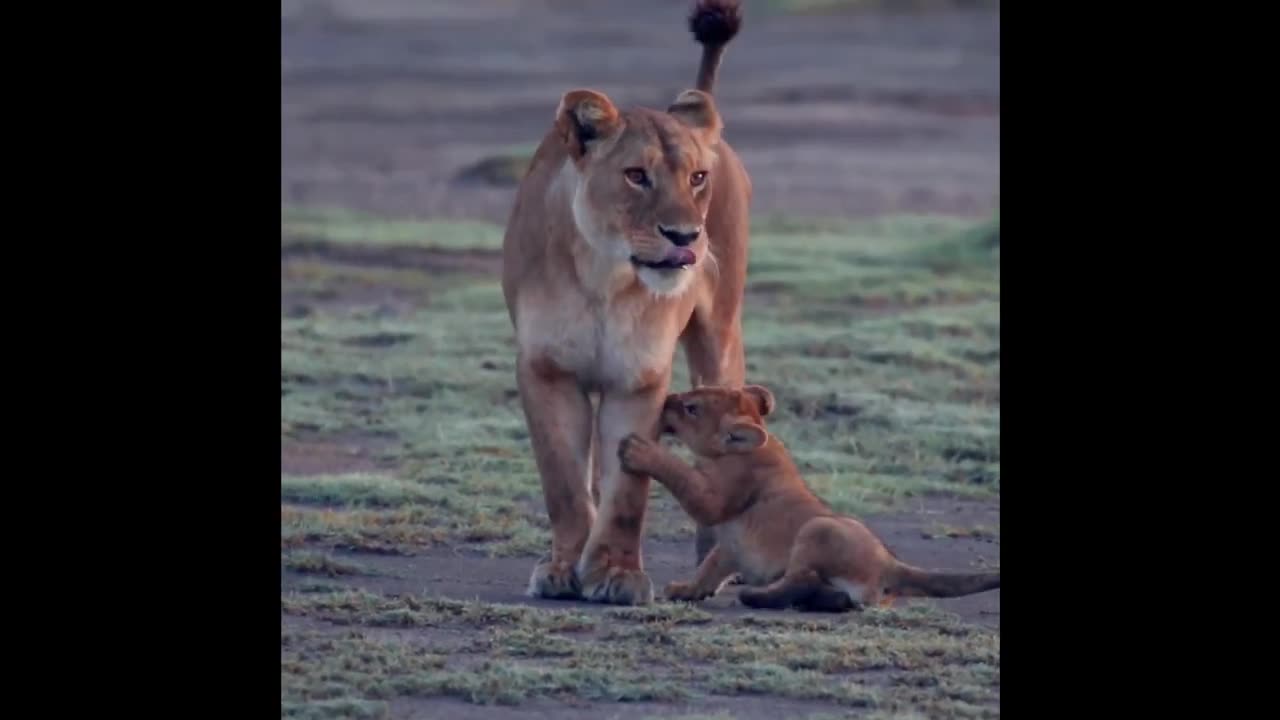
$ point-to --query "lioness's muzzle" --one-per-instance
(676, 257)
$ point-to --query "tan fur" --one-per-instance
(770, 528)
(591, 319)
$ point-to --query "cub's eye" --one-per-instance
(698, 178)
(691, 410)
(636, 176)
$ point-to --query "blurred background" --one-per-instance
(839, 108)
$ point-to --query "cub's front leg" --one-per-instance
(716, 567)
(713, 339)
(699, 497)
(697, 493)
(611, 568)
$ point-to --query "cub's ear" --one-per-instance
(762, 396)
(584, 117)
(744, 437)
(698, 110)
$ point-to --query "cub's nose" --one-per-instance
(680, 235)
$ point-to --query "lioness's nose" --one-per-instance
(680, 235)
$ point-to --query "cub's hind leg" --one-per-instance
(794, 588)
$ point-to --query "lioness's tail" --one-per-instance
(911, 581)
(714, 23)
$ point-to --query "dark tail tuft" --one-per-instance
(713, 23)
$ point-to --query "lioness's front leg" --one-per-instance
(559, 421)
(611, 568)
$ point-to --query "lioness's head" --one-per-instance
(644, 181)
(714, 421)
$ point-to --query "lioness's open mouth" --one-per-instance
(675, 259)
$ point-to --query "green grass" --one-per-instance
(315, 563)
(665, 614)
(358, 607)
(348, 227)
(343, 708)
(889, 661)
(386, 513)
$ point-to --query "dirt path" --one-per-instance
(457, 574)
(385, 101)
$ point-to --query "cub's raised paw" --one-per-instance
(637, 453)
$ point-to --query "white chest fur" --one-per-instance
(606, 344)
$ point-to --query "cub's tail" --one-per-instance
(911, 581)
(713, 23)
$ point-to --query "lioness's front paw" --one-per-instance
(555, 580)
(617, 586)
(636, 454)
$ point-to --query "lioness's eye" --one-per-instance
(698, 178)
(691, 410)
(637, 176)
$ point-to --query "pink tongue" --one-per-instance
(680, 256)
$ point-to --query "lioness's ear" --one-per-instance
(697, 110)
(762, 396)
(585, 116)
(744, 437)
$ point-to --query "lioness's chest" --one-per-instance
(604, 346)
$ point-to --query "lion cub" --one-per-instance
(770, 527)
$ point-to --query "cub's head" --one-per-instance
(715, 421)
(644, 181)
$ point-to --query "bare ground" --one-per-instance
(470, 575)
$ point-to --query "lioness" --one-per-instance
(770, 528)
(629, 232)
